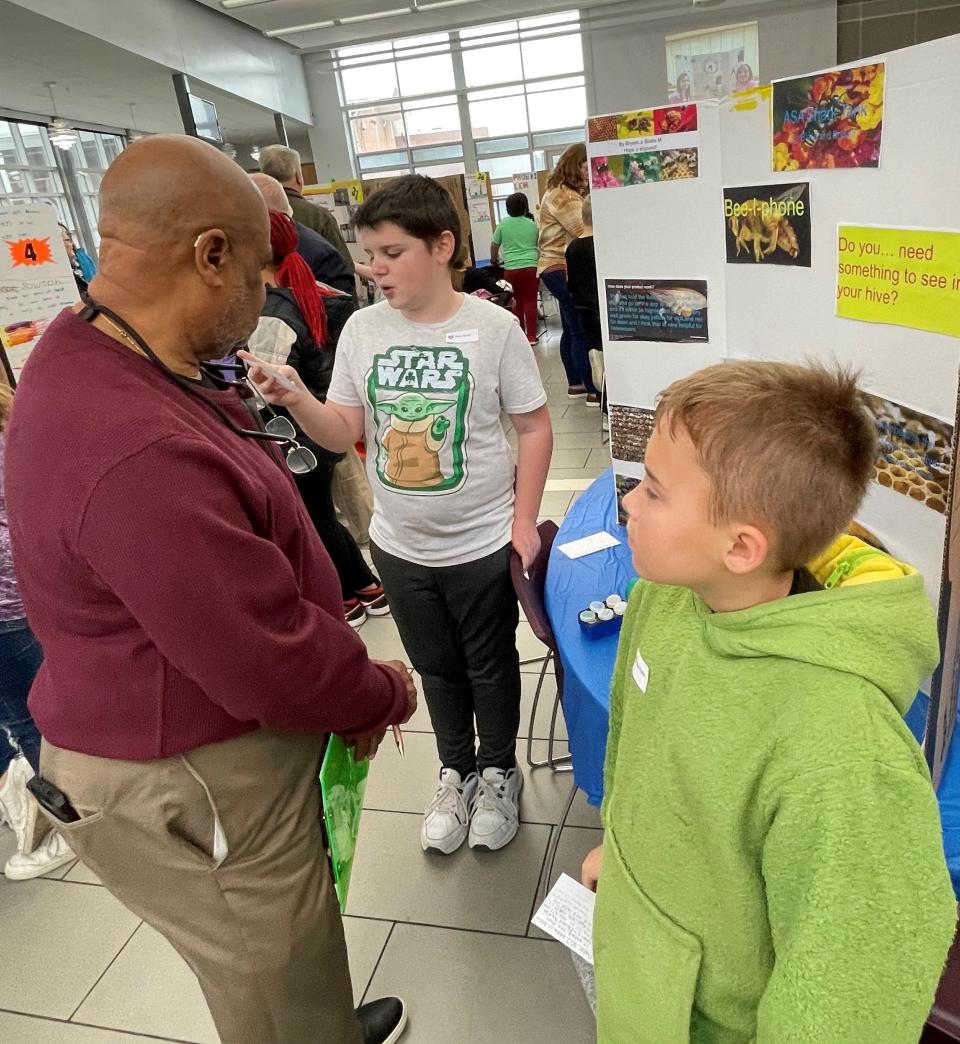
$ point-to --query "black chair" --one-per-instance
(529, 587)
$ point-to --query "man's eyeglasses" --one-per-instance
(301, 460)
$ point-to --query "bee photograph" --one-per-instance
(768, 224)
(832, 119)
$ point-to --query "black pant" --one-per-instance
(316, 489)
(459, 628)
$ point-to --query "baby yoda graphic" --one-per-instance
(414, 438)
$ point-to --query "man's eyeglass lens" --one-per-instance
(301, 460)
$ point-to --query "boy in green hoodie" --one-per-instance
(772, 869)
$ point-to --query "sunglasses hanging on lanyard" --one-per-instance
(299, 459)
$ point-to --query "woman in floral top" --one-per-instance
(561, 222)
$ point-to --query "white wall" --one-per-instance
(190, 38)
(629, 65)
(328, 140)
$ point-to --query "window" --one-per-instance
(92, 155)
(28, 169)
(32, 170)
(522, 87)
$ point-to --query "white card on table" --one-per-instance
(588, 544)
(567, 915)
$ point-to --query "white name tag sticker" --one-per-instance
(641, 672)
(463, 336)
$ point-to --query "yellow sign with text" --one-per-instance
(904, 276)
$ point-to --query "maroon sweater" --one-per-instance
(168, 567)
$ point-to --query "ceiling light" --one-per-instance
(255, 154)
(290, 30)
(374, 15)
(229, 4)
(60, 132)
(442, 3)
(230, 151)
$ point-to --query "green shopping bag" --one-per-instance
(343, 782)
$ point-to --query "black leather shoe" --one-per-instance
(382, 1021)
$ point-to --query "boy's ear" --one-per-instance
(443, 247)
(747, 550)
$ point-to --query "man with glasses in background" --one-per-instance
(195, 647)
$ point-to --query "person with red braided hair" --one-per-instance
(299, 325)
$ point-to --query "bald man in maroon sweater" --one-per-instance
(196, 655)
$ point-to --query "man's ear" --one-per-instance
(748, 549)
(211, 250)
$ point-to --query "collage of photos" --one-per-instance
(644, 146)
(915, 452)
(832, 119)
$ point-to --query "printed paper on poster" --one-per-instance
(36, 281)
(904, 276)
(830, 119)
(624, 484)
(915, 452)
(657, 310)
(643, 147)
(630, 431)
(768, 224)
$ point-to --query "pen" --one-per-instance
(398, 739)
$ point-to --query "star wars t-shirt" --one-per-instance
(437, 457)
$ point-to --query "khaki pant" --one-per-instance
(352, 496)
(221, 851)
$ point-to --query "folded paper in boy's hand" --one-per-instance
(567, 915)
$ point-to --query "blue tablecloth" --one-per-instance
(587, 663)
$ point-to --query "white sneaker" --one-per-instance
(15, 799)
(446, 819)
(51, 853)
(495, 817)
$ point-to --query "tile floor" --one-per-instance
(452, 935)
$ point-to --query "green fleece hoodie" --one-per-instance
(773, 871)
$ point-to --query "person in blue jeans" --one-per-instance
(20, 659)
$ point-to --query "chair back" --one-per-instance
(529, 587)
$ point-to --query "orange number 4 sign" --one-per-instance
(30, 251)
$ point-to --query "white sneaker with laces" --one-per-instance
(495, 817)
(447, 817)
(52, 853)
(15, 799)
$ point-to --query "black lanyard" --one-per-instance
(92, 309)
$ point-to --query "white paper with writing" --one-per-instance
(567, 915)
(588, 545)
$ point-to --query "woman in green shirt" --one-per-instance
(518, 235)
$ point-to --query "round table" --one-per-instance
(587, 663)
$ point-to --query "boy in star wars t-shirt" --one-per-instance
(424, 376)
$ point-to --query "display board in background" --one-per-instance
(479, 198)
(712, 63)
(529, 185)
(342, 199)
(36, 281)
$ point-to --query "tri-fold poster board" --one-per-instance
(36, 281)
(802, 220)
